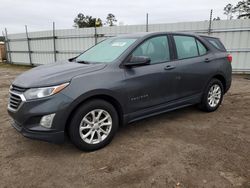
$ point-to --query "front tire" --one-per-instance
(93, 125)
(212, 96)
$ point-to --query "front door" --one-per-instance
(154, 84)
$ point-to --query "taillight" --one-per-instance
(229, 58)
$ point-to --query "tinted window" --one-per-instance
(106, 51)
(216, 43)
(186, 46)
(156, 49)
(202, 49)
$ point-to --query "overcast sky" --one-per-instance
(39, 14)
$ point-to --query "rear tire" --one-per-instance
(93, 125)
(212, 96)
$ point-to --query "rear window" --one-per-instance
(216, 43)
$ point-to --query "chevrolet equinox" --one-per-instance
(118, 81)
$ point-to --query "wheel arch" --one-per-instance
(222, 79)
(106, 97)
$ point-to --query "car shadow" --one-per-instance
(140, 126)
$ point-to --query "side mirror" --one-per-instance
(138, 61)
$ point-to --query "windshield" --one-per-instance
(106, 51)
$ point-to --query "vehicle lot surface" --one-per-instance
(184, 148)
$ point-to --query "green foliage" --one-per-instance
(1, 39)
(82, 21)
(217, 18)
(229, 10)
(241, 9)
(110, 20)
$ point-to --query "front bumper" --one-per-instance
(53, 137)
(26, 119)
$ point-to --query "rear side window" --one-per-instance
(216, 43)
(202, 49)
(186, 46)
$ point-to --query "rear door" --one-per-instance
(192, 64)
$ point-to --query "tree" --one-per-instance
(98, 22)
(217, 18)
(229, 10)
(243, 9)
(82, 21)
(110, 20)
(2, 39)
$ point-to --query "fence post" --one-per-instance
(8, 45)
(95, 35)
(210, 22)
(5, 47)
(28, 43)
(54, 41)
(147, 22)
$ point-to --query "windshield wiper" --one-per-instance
(84, 62)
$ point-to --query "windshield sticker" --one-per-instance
(118, 44)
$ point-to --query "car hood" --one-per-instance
(54, 73)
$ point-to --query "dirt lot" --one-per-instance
(184, 148)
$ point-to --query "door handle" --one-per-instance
(207, 60)
(169, 67)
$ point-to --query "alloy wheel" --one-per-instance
(214, 95)
(95, 126)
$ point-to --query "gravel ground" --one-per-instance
(184, 148)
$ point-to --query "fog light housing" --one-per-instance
(46, 121)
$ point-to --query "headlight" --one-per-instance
(36, 93)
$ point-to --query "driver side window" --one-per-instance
(155, 48)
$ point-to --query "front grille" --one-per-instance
(16, 97)
(17, 88)
(14, 101)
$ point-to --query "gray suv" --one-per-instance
(118, 81)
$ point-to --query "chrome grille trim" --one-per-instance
(15, 100)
